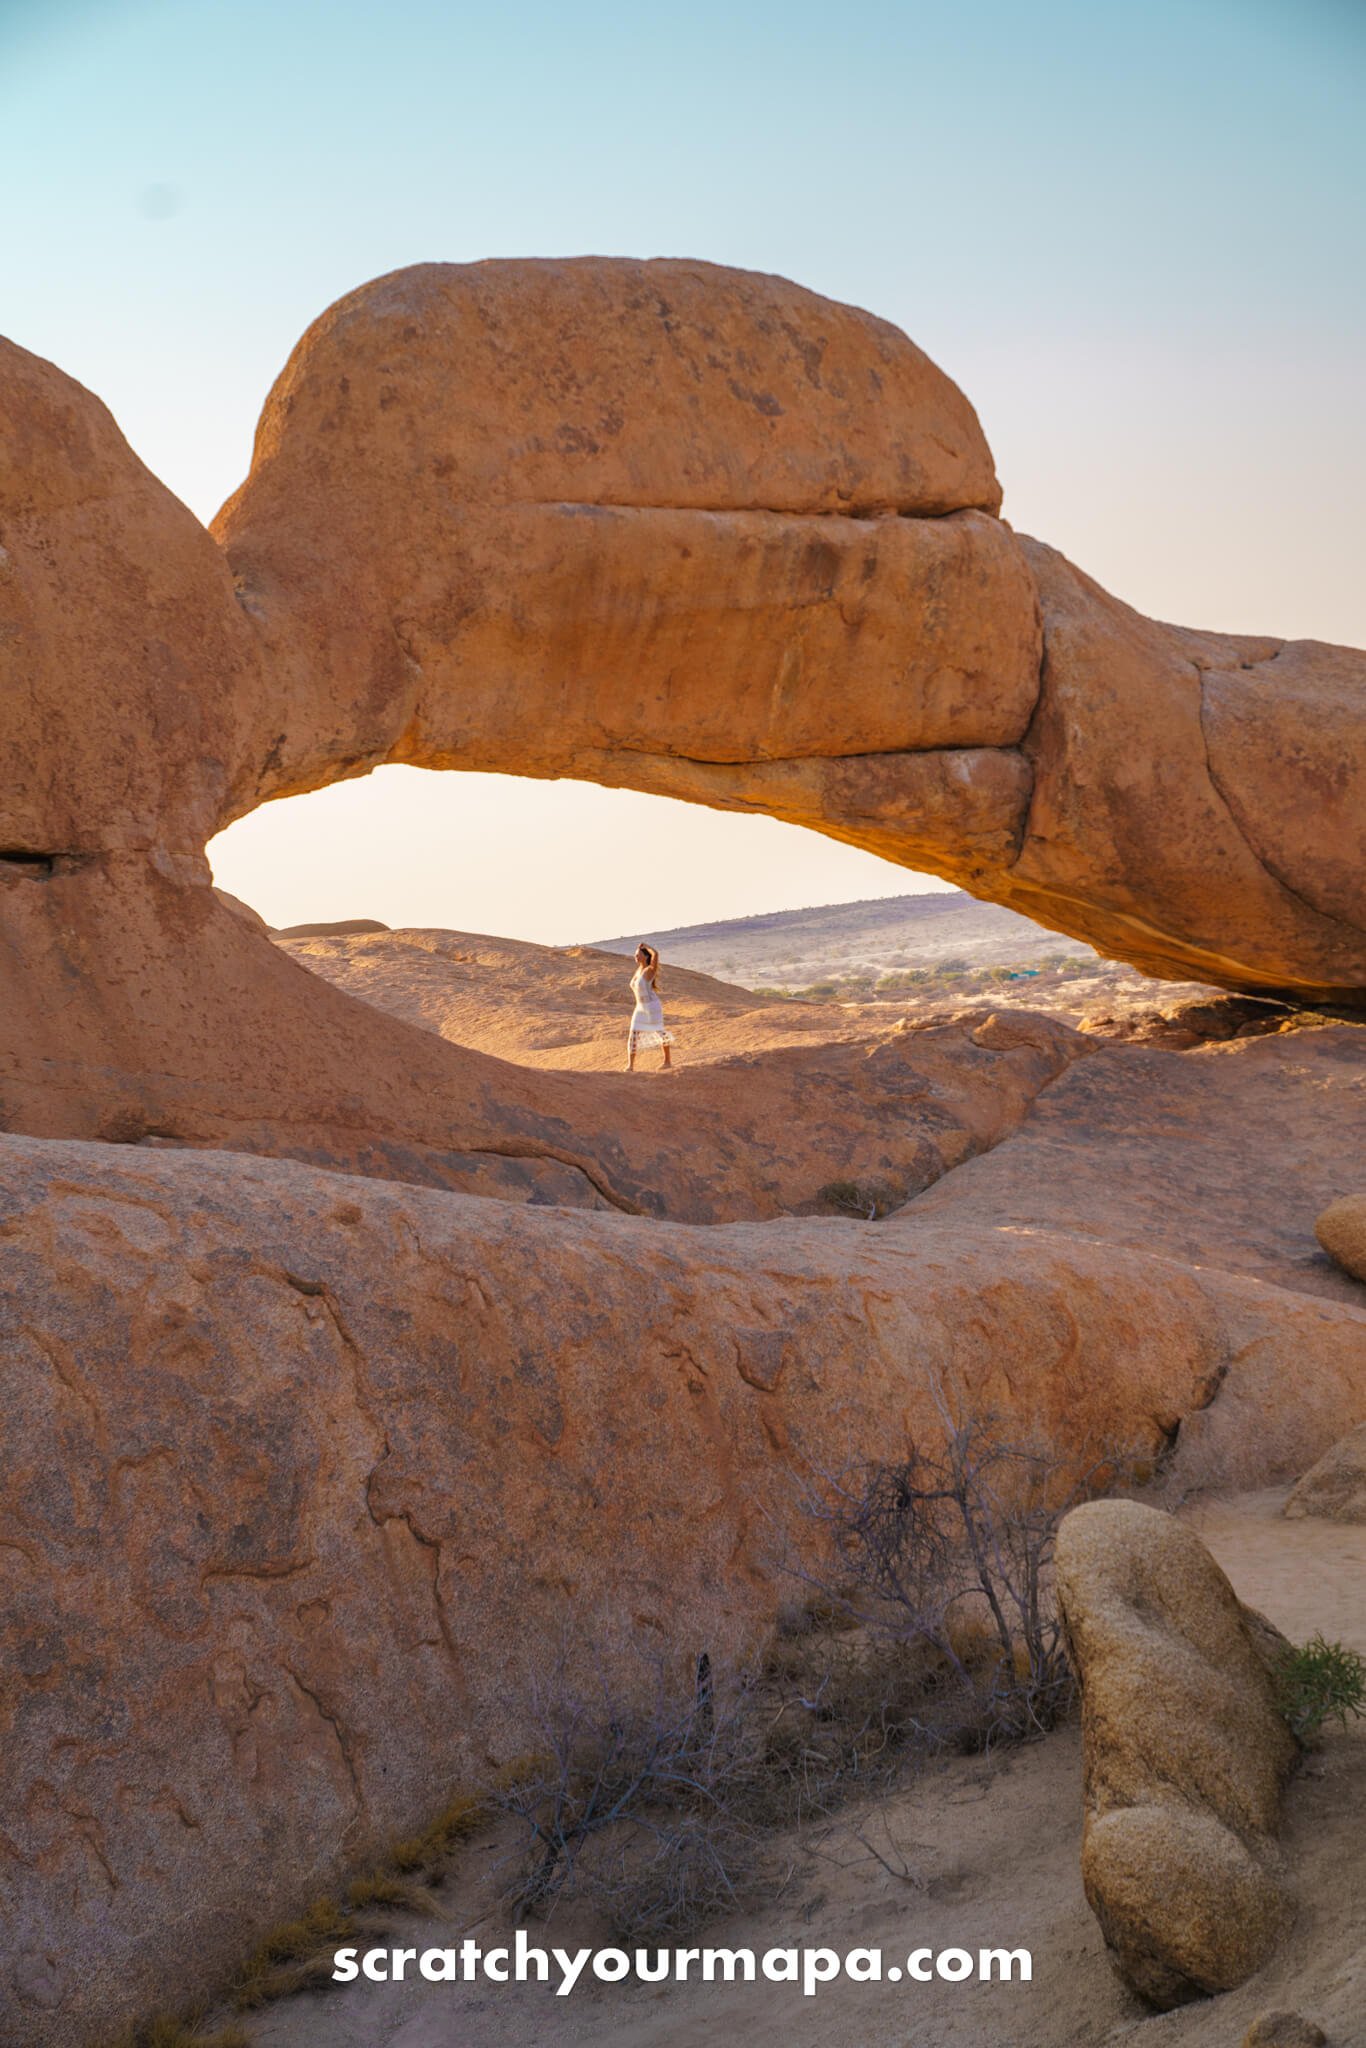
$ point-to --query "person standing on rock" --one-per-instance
(647, 1018)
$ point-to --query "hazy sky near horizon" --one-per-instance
(1131, 231)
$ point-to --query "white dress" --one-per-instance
(647, 1018)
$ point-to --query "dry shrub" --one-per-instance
(640, 1811)
(934, 1628)
(945, 1556)
(868, 1200)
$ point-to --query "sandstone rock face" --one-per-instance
(242, 910)
(1184, 1754)
(812, 641)
(1341, 1230)
(326, 1078)
(1335, 1487)
(663, 525)
(1171, 733)
(126, 662)
(303, 1469)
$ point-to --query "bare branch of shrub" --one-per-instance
(640, 1811)
(947, 1555)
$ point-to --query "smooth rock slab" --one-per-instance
(304, 1475)
(1335, 1487)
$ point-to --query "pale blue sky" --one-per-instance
(1132, 232)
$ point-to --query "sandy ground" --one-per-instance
(565, 1007)
(991, 1852)
(568, 1006)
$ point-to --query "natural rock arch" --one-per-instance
(658, 524)
(296, 1460)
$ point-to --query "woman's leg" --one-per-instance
(631, 1053)
(668, 1054)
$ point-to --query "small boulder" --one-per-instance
(1341, 1230)
(1335, 1488)
(1184, 1753)
(1284, 2030)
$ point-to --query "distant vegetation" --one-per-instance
(877, 950)
(946, 976)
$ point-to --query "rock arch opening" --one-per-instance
(558, 863)
(652, 525)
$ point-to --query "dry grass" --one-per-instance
(297, 1955)
(430, 1852)
(164, 2032)
(282, 1963)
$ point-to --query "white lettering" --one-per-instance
(819, 1965)
(953, 1965)
(571, 1969)
(1005, 1957)
(525, 1952)
(728, 1961)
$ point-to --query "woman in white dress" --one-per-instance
(647, 1018)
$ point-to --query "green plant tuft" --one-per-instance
(1318, 1682)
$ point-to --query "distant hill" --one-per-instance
(843, 942)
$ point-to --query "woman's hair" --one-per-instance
(651, 962)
